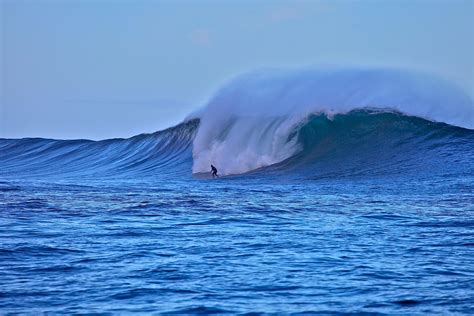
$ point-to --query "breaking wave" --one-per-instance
(308, 124)
(253, 121)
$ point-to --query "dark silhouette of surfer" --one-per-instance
(214, 171)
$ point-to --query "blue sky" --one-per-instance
(116, 68)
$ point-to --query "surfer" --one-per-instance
(214, 171)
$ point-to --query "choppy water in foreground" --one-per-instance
(238, 245)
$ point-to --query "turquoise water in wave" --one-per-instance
(375, 214)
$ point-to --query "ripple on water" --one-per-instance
(192, 248)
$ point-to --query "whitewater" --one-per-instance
(341, 190)
(247, 124)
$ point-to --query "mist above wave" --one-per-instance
(251, 121)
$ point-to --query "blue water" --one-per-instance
(374, 215)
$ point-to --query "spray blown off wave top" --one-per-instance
(254, 121)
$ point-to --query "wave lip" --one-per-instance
(253, 121)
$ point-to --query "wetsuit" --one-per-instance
(214, 171)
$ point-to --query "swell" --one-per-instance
(371, 142)
(361, 142)
(161, 153)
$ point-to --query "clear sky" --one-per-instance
(115, 68)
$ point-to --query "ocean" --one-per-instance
(364, 211)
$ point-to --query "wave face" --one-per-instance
(254, 121)
(162, 153)
(378, 143)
